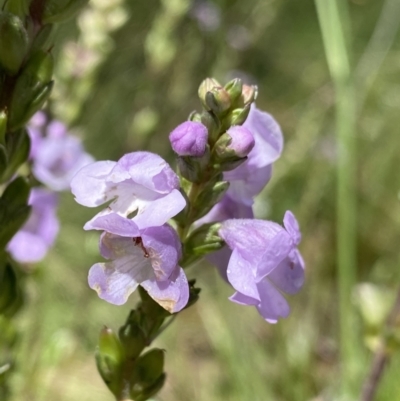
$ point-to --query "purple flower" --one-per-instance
(31, 243)
(242, 140)
(140, 182)
(264, 263)
(189, 139)
(150, 259)
(247, 180)
(57, 156)
(207, 14)
(226, 209)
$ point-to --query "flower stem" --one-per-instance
(330, 15)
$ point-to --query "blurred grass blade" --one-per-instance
(332, 24)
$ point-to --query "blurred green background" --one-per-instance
(127, 74)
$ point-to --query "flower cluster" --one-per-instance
(142, 249)
(55, 157)
(225, 156)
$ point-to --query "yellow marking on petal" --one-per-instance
(97, 288)
(167, 304)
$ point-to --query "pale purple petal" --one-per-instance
(226, 209)
(273, 305)
(38, 120)
(267, 135)
(171, 294)
(159, 211)
(249, 236)
(111, 285)
(89, 185)
(56, 129)
(276, 250)
(242, 140)
(164, 248)
(247, 181)
(220, 260)
(240, 275)
(113, 223)
(113, 247)
(31, 243)
(292, 227)
(58, 159)
(242, 299)
(149, 170)
(26, 247)
(289, 275)
(115, 281)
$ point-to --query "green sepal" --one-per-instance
(209, 197)
(213, 125)
(200, 242)
(17, 148)
(151, 390)
(109, 359)
(14, 210)
(38, 102)
(32, 89)
(147, 371)
(237, 116)
(132, 336)
(13, 42)
(18, 7)
(231, 164)
(61, 10)
(218, 101)
(203, 240)
(234, 89)
(192, 168)
(17, 192)
(42, 37)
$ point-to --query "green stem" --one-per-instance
(333, 32)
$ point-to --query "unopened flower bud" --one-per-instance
(239, 116)
(237, 142)
(207, 86)
(109, 357)
(132, 337)
(242, 140)
(234, 89)
(109, 345)
(249, 94)
(189, 139)
(218, 100)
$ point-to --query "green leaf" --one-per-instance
(17, 147)
(14, 210)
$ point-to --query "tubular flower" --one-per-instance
(57, 156)
(31, 243)
(264, 263)
(140, 182)
(247, 180)
(148, 258)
